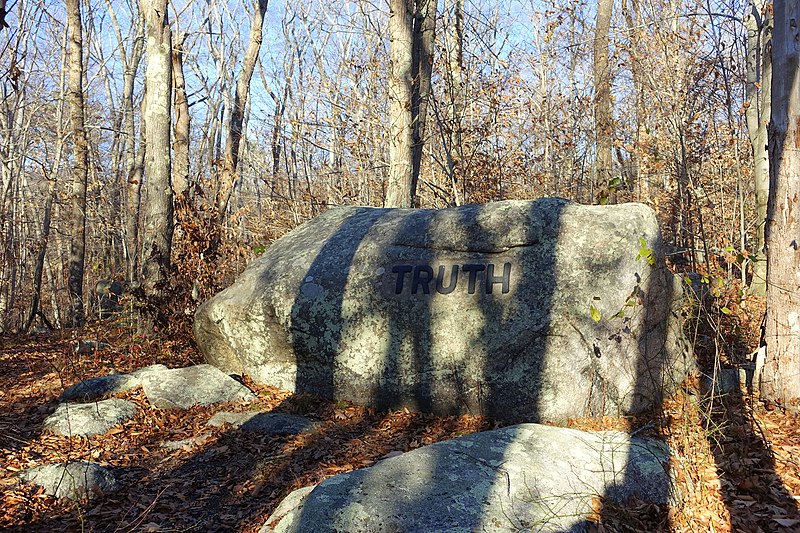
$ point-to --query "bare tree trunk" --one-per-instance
(401, 135)
(277, 131)
(236, 117)
(280, 98)
(180, 174)
(80, 164)
(631, 11)
(759, 81)
(6, 236)
(411, 35)
(603, 114)
(780, 379)
(421, 69)
(132, 177)
(158, 213)
(51, 281)
(40, 257)
(454, 87)
(135, 178)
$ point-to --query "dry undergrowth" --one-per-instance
(736, 464)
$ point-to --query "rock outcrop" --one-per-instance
(85, 419)
(75, 481)
(521, 310)
(182, 388)
(83, 412)
(520, 478)
(100, 387)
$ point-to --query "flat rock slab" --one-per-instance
(182, 388)
(75, 481)
(520, 478)
(519, 310)
(266, 423)
(87, 419)
(100, 387)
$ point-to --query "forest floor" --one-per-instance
(736, 461)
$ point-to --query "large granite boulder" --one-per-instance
(522, 310)
(520, 478)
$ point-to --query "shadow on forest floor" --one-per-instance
(757, 483)
(231, 480)
(756, 497)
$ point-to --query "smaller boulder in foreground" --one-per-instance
(265, 423)
(182, 388)
(71, 419)
(95, 388)
(100, 387)
(528, 477)
(75, 481)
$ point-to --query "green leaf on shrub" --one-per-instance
(645, 252)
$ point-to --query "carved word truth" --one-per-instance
(422, 279)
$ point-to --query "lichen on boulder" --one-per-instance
(521, 310)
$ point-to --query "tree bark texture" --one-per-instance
(133, 159)
(180, 173)
(135, 171)
(759, 82)
(454, 87)
(158, 210)
(401, 79)
(780, 379)
(603, 112)
(422, 67)
(412, 27)
(80, 164)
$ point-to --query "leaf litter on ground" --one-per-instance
(736, 468)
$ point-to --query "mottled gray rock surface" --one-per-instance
(522, 310)
(88, 418)
(75, 481)
(520, 478)
(181, 388)
(267, 423)
(93, 389)
(97, 388)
